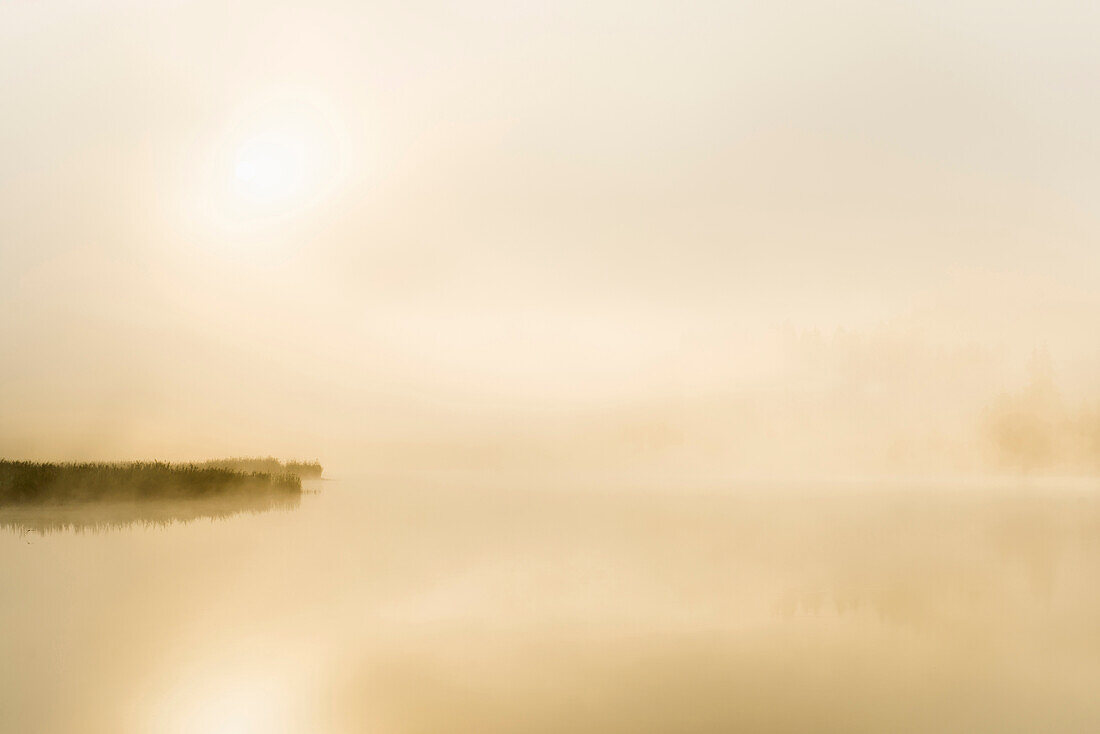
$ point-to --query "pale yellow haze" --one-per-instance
(724, 238)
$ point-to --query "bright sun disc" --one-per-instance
(275, 161)
(272, 168)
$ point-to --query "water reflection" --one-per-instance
(839, 611)
(407, 609)
(105, 516)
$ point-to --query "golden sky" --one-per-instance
(314, 228)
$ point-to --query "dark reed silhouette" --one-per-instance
(26, 482)
(266, 465)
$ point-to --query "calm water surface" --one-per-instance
(389, 606)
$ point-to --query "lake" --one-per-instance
(390, 605)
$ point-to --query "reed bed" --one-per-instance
(28, 482)
(265, 465)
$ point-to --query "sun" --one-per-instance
(276, 160)
(284, 155)
(273, 168)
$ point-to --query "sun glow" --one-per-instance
(231, 704)
(273, 161)
(273, 168)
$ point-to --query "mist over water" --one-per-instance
(392, 604)
(737, 237)
(554, 278)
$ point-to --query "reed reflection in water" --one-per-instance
(402, 607)
(104, 516)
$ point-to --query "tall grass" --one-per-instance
(26, 482)
(265, 465)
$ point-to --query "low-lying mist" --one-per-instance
(851, 407)
(995, 377)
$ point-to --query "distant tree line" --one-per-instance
(1036, 430)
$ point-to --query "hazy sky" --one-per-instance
(303, 227)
